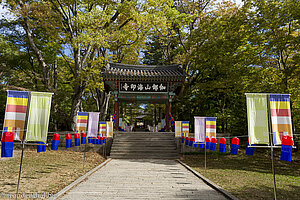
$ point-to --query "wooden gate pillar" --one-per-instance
(117, 115)
(168, 112)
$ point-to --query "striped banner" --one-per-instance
(15, 113)
(185, 128)
(102, 129)
(280, 116)
(109, 129)
(82, 119)
(211, 124)
(177, 128)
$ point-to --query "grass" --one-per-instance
(44, 172)
(250, 177)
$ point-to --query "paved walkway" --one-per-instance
(143, 179)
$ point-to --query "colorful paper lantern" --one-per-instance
(7, 144)
(213, 144)
(286, 148)
(94, 140)
(77, 139)
(187, 141)
(182, 139)
(55, 142)
(250, 150)
(83, 138)
(68, 140)
(222, 145)
(235, 146)
(207, 143)
(191, 142)
(40, 148)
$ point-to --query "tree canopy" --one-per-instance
(226, 49)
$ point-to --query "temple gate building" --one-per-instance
(143, 84)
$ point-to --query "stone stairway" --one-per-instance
(144, 145)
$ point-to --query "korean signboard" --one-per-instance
(143, 87)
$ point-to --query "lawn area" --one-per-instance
(44, 172)
(250, 177)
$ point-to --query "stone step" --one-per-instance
(143, 139)
(148, 151)
(134, 146)
(146, 132)
(156, 135)
(147, 144)
(145, 136)
(144, 157)
(120, 148)
(140, 145)
(144, 145)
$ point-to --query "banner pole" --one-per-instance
(182, 146)
(23, 141)
(205, 155)
(205, 144)
(104, 150)
(20, 170)
(273, 172)
(84, 154)
(272, 144)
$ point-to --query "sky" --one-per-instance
(4, 12)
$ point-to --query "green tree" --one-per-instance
(85, 34)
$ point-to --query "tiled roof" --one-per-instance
(117, 71)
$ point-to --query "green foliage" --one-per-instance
(226, 50)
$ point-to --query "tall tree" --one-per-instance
(88, 34)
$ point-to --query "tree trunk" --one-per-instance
(76, 102)
(104, 104)
(38, 52)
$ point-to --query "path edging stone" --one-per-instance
(79, 180)
(208, 182)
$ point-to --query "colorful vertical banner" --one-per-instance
(211, 127)
(102, 129)
(159, 126)
(280, 117)
(120, 122)
(82, 121)
(177, 128)
(163, 123)
(185, 128)
(38, 116)
(257, 111)
(124, 125)
(15, 113)
(93, 123)
(109, 129)
(200, 129)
